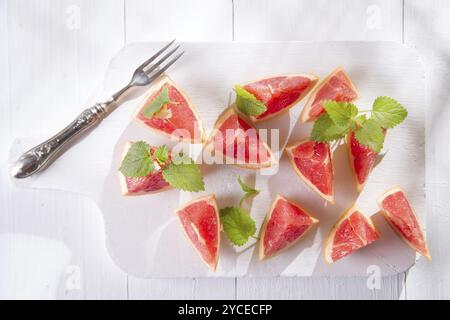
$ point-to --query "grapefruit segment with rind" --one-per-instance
(362, 160)
(403, 219)
(353, 231)
(312, 161)
(177, 119)
(337, 86)
(152, 183)
(200, 221)
(239, 143)
(280, 93)
(286, 223)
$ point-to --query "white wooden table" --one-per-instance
(52, 243)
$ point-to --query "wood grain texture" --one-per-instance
(316, 20)
(198, 20)
(427, 30)
(319, 288)
(183, 289)
(38, 28)
(257, 20)
(57, 53)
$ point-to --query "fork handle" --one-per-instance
(37, 158)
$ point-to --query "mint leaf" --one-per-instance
(370, 135)
(325, 129)
(340, 112)
(247, 103)
(161, 154)
(388, 112)
(249, 191)
(137, 162)
(184, 176)
(181, 158)
(237, 224)
(157, 103)
(359, 120)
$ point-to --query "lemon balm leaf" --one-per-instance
(247, 103)
(157, 103)
(237, 224)
(137, 162)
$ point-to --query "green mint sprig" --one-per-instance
(340, 118)
(161, 154)
(247, 103)
(140, 162)
(184, 176)
(237, 223)
(137, 162)
(157, 103)
(248, 191)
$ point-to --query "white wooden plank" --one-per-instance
(5, 128)
(198, 20)
(214, 289)
(69, 55)
(319, 288)
(427, 29)
(318, 20)
(185, 20)
(160, 289)
(201, 288)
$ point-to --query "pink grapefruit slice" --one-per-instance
(239, 142)
(337, 87)
(403, 219)
(152, 183)
(280, 93)
(201, 224)
(353, 231)
(312, 162)
(178, 119)
(362, 160)
(286, 223)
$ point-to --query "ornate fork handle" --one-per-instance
(43, 154)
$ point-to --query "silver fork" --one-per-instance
(42, 155)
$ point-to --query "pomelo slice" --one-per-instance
(152, 183)
(201, 224)
(178, 119)
(362, 160)
(312, 162)
(279, 93)
(337, 87)
(284, 225)
(403, 219)
(239, 142)
(352, 232)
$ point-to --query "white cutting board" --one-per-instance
(143, 236)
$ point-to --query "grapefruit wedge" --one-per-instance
(337, 87)
(177, 119)
(239, 143)
(362, 160)
(312, 162)
(352, 232)
(280, 93)
(201, 224)
(403, 219)
(284, 225)
(152, 183)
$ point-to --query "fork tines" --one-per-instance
(148, 67)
